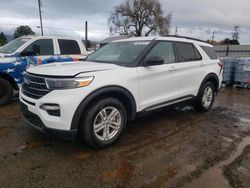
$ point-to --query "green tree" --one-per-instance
(23, 30)
(3, 39)
(140, 17)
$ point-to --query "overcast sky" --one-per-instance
(194, 18)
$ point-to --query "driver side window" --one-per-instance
(164, 50)
(41, 47)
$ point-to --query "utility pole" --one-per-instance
(213, 37)
(86, 34)
(176, 30)
(40, 14)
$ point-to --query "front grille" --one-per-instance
(34, 86)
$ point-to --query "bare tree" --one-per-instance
(140, 17)
(236, 33)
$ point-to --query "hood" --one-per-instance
(70, 68)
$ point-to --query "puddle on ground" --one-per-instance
(191, 167)
(229, 140)
(32, 145)
(214, 176)
(245, 120)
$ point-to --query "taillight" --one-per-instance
(221, 65)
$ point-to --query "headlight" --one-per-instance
(71, 83)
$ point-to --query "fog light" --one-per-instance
(51, 109)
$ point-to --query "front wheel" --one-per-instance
(205, 99)
(103, 123)
(6, 92)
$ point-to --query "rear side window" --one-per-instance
(68, 47)
(210, 52)
(187, 52)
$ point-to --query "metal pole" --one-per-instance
(86, 34)
(40, 14)
(213, 37)
(227, 51)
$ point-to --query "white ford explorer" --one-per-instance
(95, 99)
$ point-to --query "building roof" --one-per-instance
(232, 50)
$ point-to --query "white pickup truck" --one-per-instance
(20, 53)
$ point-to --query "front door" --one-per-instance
(39, 52)
(159, 84)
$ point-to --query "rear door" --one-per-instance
(190, 67)
(159, 84)
(70, 50)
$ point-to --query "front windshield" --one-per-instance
(12, 46)
(120, 53)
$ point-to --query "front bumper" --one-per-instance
(67, 100)
(35, 122)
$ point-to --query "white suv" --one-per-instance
(95, 98)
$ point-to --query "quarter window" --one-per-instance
(164, 50)
(210, 52)
(187, 52)
(40, 47)
(68, 47)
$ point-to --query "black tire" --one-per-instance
(198, 104)
(6, 92)
(86, 129)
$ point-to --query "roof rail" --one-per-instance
(178, 36)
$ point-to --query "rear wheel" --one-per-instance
(6, 91)
(103, 123)
(205, 99)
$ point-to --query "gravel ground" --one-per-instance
(169, 148)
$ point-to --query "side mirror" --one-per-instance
(154, 60)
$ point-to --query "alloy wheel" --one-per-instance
(107, 123)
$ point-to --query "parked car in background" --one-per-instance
(20, 53)
(96, 98)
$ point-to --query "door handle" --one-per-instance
(202, 65)
(173, 69)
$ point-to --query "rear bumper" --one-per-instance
(35, 122)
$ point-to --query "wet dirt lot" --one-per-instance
(170, 148)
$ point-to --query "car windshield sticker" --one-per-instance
(141, 43)
(25, 39)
